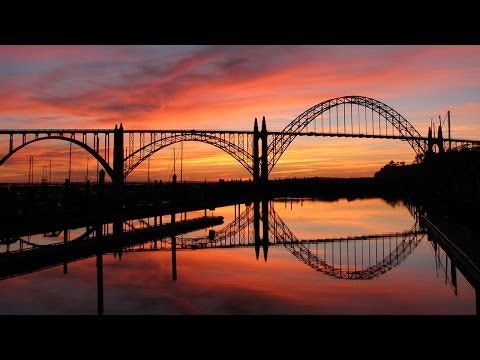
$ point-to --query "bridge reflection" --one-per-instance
(258, 226)
(356, 258)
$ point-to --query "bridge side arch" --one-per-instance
(97, 156)
(239, 153)
(280, 143)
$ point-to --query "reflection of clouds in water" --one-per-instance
(52, 292)
(201, 289)
(314, 219)
(227, 281)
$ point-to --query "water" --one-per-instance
(400, 275)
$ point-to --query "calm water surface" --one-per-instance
(309, 277)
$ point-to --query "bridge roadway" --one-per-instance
(63, 133)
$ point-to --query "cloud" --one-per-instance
(226, 87)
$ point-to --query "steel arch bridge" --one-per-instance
(257, 151)
(240, 145)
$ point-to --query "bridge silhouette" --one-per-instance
(119, 151)
(258, 226)
(356, 257)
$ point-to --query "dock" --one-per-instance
(39, 258)
(459, 242)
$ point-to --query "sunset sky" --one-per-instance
(226, 87)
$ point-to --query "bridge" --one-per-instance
(119, 151)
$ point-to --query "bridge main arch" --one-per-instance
(279, 144)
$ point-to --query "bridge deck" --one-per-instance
(213, 131)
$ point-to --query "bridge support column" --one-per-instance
(118, 155)
(100, 196)
(263, 136)
(256, 156)
(435, 141)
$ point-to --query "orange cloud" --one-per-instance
(226, 87)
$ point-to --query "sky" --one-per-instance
(226, 87)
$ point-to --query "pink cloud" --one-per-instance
(228, 86)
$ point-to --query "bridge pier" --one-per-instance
(256, 157)
(431, 141)
(118, 155)
(100, 195)
(260, 161)
(264, 170)
(118, 166)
